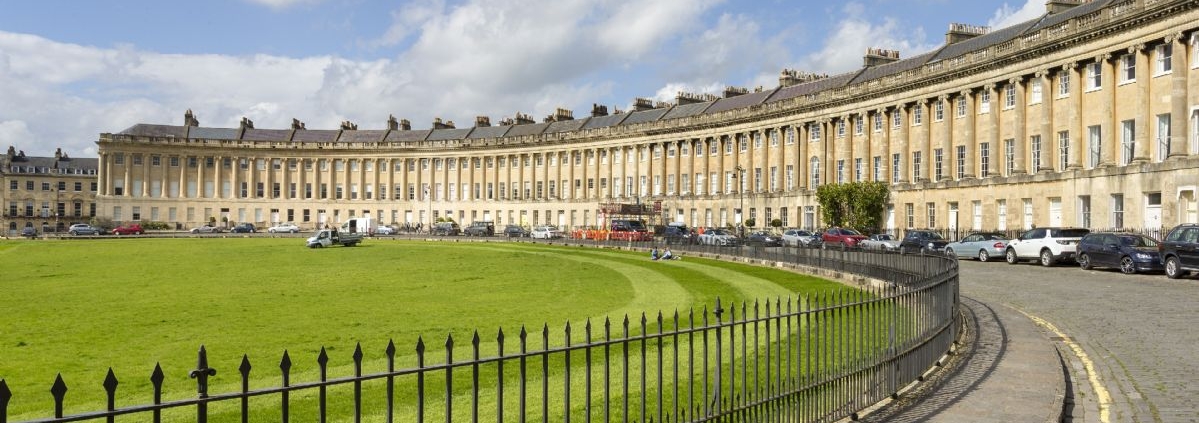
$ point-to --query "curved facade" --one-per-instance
(1087, 116)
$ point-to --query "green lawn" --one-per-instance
(80, 307)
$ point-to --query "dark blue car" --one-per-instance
(1131, 253)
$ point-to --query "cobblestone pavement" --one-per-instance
(1138, 330)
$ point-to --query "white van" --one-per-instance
(359, 225)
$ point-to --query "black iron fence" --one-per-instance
(813, 358)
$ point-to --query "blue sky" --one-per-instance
(71, 70)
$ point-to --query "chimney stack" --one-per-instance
(598, 110)
(640, 104)
(296, 124)
(392, 124)
(1059, 6)
(961, 32)
(246, 123)
(524, 119)
(482, 121)
(189, 119)
(348, 126)
(878, 56)
(405, 125)
(438, 124)
(730, 92)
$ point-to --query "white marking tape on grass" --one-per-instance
(1102, 396)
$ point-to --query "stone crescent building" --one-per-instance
(1086, 116)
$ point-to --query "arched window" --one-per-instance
(815, 166)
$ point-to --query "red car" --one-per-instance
(841, 237)
(130, 229)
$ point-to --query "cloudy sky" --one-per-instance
(70, 70)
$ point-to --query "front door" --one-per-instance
(1055, 212)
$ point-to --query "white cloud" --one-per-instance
(852, 36)
(282, 4)
(1006, 16)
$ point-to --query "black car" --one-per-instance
(922, 242)
(515, 231)
(446, 229)
(479, 229)
(677, 234)
(1131, 253)
(1180, 250)
(764, 239)
(244, 228)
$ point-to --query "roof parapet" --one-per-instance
(959, 32)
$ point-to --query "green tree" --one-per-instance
(857, 205)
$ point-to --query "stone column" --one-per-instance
(1076, 84)
(969, 138)
(1107, 148)
(183, 176)
(1047, 162)
(164, 175)
(200, 162)
(1178, 96)
(904, 136)
(946, 142)
(145, 188)
(926, 143)
(995, 144)
(1020, 125)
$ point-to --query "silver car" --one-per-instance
(884, 242)
(983, 246)
(798, 238)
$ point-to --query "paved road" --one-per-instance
(1139, 331)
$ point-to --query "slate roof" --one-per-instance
(888, 69)
(686, 110)
(321, 135)
(402, 136)
(741, 101)
(645, 116)
(370, 135)
(144, 129)
(566, 125)
(1071, 13)
(982, 41)
(213, 133)
(489, 132)
(605, 121)
(267, 135)
(813, 87)
(449, 134)
(533, 129)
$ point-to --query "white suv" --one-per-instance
(1047, 245)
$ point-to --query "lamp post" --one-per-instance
(741, 198)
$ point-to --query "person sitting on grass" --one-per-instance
(653, 254)
(667, 255)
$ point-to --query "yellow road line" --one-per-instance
(1101, 394)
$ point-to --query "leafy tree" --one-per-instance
(104, 223)
(749, 223)
(776, 223)
(857, 205)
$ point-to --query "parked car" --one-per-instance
(841, 238)
(677, 233)
(446, 229)
(1131, 253)
(1180, 250)
(385, 230)
(284, 227)
(513, 231)
(1047, 245)
(130, 229)
(982, 245)
(479, 229)
(29, 232)
(244, 228)
(207, 229)
(922, 241)
(798, 238)
(884, 242)
(545, 232)
(763, 238)
(84, 229)
(720, 237)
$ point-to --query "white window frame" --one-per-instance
(1035, 88)
(1063, 150)
(984, 102)
(1128, 68)
(1063, 84)
(1163, 56)
(1009, 96)
(1162, 146)
(1094, 146)
(1094, 76)
(1128, 143)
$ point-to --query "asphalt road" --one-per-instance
(1139, 331)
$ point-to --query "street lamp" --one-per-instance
(741, 197)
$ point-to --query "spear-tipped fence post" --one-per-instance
(285, 369)
(110, 390)
(245, 387)
(201, 375)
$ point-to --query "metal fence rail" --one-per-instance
(812, 358)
